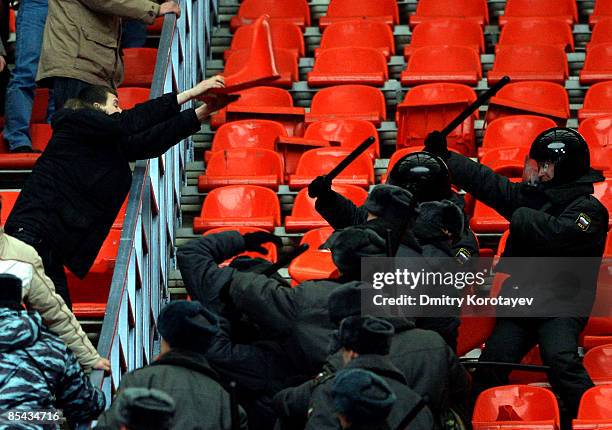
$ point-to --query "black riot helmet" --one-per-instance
(566, 150)
(423, 174)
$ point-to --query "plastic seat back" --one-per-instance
(293, 11)
(448, 63)
(316, 237)
(515, 130)
(349, 101)
(602, 33)
(359, 32)
(347, 133)
(271, 255)
(139, 65)
(487, 219)
(304, 216)
(530, 63)
(530, 98)
(595, 410)
(537, 31)
(349, 65)
(598, 362)
(248, 133)
(8, 199)
(431, 107)
(239, 206)
(286, 62)
(562, 10)
(130, 96)
(473, 10)
(527, 406)
(242, 166)
(602, 10)
(40, 134)
(597, 65)
(379, 10)
(597, 101)
(446, 31)
(506, 160)
(285, 35)
(597, 132)
(315, 263)
(39, 108)
(320, 161)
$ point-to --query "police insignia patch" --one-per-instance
(583, 221)
(463, 256)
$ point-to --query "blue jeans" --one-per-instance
(20, 92)
(133, 34)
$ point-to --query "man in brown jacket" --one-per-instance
(81, 42)
(22, 261)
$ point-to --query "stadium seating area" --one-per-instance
(369, 67)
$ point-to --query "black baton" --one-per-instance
(350, 158)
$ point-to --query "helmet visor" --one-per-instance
(536, 172)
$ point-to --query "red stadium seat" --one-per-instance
(449, 63)
(516, 407)
(537, 31)
(514, 130)
(602, 10)
(598, 330)
(242, 166)
(315, 263)
(560, 10)
(361, 33)
(530, 63)
(597, 101)
(156, 27)
(602, 33)
(248, 133)
(130, 97)
(39, 108)
(346, 133)
(376, 10)
(595, 411)
(598, 362)
(597, 131)
(473, 10)
(8, 199)
(350, 65)
(597, 65)
(40, 135)
(293, 11)
(271, 256)
(487, 220)
(139, 66)
(348, 101)
(304, 216)
(285, 35)
(239, 206)
(603, 191)
(89, 295)
(506, 160)
(11, 21)
(446, 31)
(431, 107)
(286, 63)
(320, 161)
(530, 98)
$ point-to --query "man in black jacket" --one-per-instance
(75, 191)
(552, 214)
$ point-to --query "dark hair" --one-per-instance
(90, 95)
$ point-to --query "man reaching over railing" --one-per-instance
(70, 201)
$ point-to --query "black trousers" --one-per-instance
(52, 262)
(513, 338)
(65, 89)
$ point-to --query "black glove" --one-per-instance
(319, 186)
(253, 241)
(435, 143)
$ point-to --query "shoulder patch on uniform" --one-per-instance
(583, 221)
(463, 255)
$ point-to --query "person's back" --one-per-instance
(36, 368)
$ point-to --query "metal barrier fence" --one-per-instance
(140, 281)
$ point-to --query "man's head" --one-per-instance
(423, 174)
(187, 325)
(96, 97)
(557, 156)
(363, 397)
(10, 292)
(144, 409)
(364, 335)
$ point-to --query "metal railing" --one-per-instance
(140, 281)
